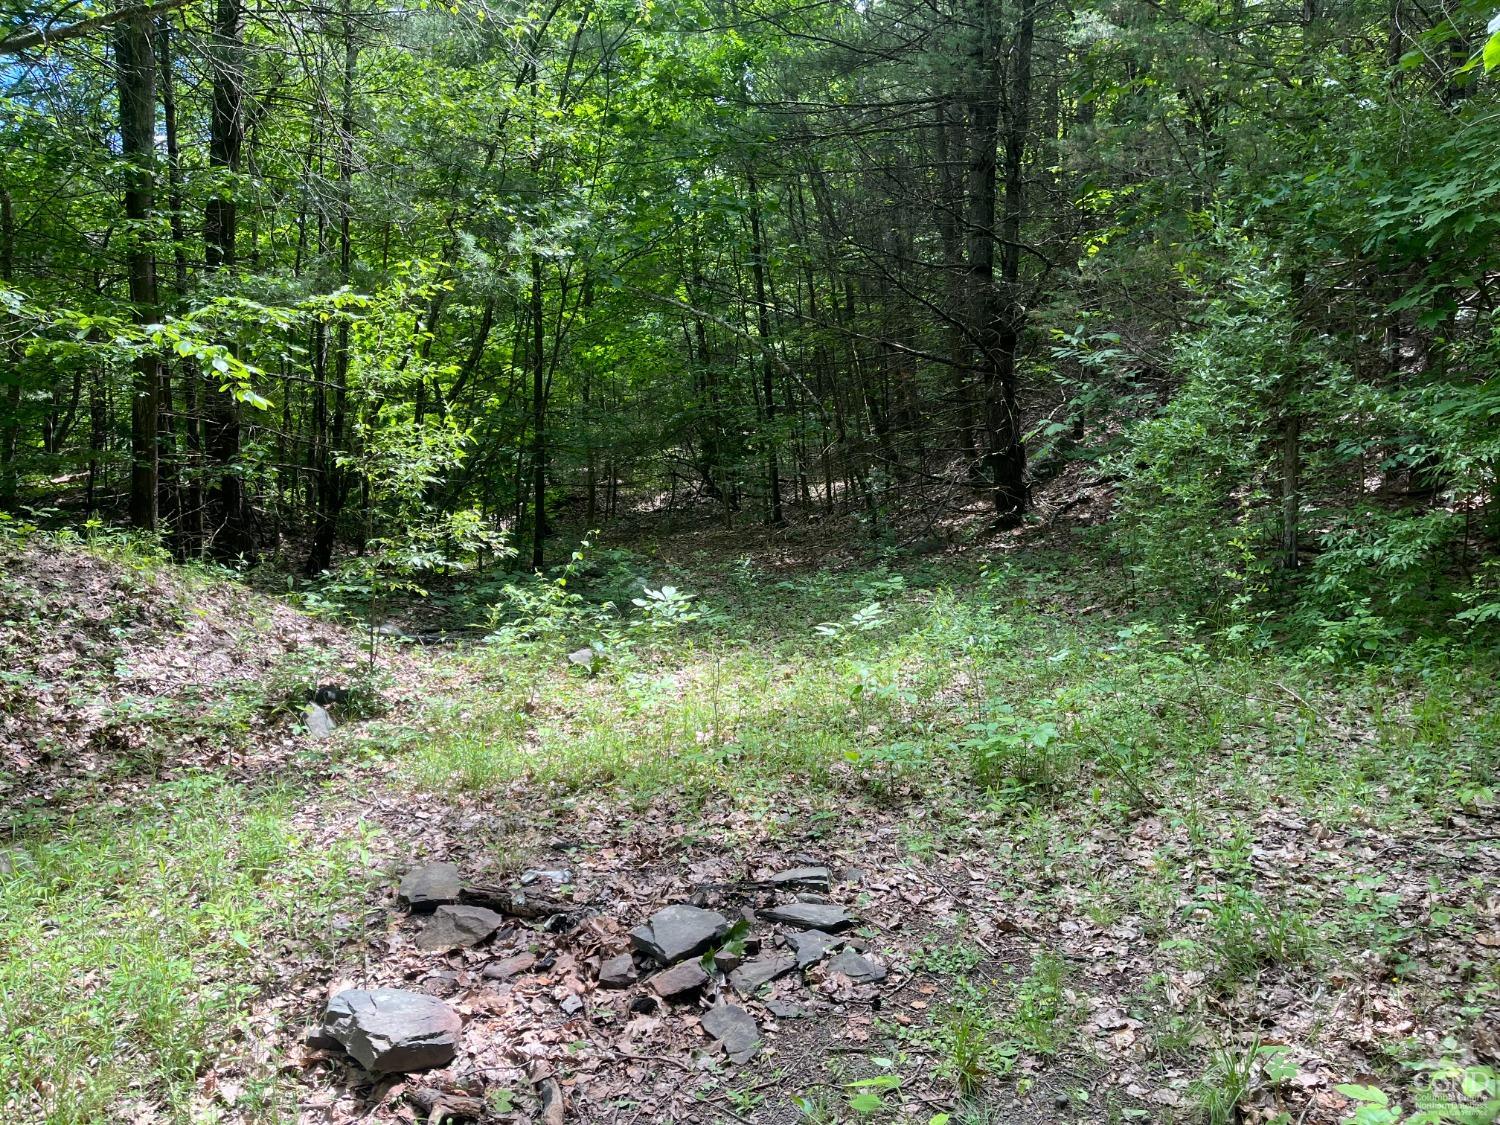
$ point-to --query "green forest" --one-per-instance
(900, 561)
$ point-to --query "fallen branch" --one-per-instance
(440, 1105)
(517, 903)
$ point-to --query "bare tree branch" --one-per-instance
(44, 37)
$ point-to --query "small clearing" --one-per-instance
(1097, 871)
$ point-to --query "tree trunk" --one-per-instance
(233, 539)
(949, 139)
(767, 368)
(135, 79)
(332, 480)
(179, 492)
(538, 418)
(9, 477)
(1007, 452)
(1291, 497)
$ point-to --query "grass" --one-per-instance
(976, 709)
(133, 940)
(983, 701)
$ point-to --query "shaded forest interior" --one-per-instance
(421, 284)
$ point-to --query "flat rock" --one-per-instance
(857, 967)
(735, 1029)
(686, 977)
(785, 1009)
(809, 878)
(430, 886)
(454, 927)
(510, 967)
(391, 1031)
(677, 932)
(555, 875)
(811, 946)
(810, 916)
(753, 974)
(618, 972)
(317, 720)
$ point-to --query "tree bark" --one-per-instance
(1007, 452)
(332, 480)
(135, 80)
(767, 369)
(180, 495)
(233, 538)
(538, 418)
(9, 477)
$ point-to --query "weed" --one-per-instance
(1018, 758)
(1043, 1016)
(966, 1038)
(1246, 933)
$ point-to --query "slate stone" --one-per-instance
(727, 961)
(857, 967)
(618, 972)
(557, 875)
(391, 1031)
(810, 916)
(454, 927)
(430, 886)
(809, 878)
(443, 983)
(736, 1031)
(785, 1009)
(811, 946)
(753, 974)
(686, 977)
(510, 967)
(676, 932)
(317, 720)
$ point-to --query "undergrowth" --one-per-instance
(133, 940)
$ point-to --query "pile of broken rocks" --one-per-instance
(712, 970)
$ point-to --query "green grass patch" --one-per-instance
(131, 942)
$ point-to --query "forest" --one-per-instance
(922, 561)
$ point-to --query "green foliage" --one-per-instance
(1447, 1094)
(1019, 759)
(551, 611)
(1233, 1074)
(296, 677)
(1246, 933)
(1196, 514)
(1043, 1014)
(134, 941)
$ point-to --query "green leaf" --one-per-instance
(1492, 52)
(866, 1103)
(1364, 1094)
(879, 1082)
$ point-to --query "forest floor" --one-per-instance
(1113, 872)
